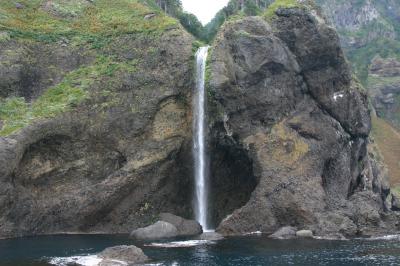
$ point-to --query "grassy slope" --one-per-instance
(103, 18)
(388, 140)
(83, 24)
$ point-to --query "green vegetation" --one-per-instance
(234, 10)
(270, 12)
(378, 81)
(16, 113)
(361, 57)
(396, 191)
(388, 141)
(51, 20)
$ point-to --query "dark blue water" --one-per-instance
(233, 251)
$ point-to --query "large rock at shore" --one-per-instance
(304, 234)
(158, 230)
(122, 255)
(287, 232)
(185, 227)
(283, 99)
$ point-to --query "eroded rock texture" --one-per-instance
(283, 97)
(116, 160)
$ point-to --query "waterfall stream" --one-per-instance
(199, 146)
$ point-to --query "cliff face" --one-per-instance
(283, 94)
(95, 123)
(95, 126)
(370, 35)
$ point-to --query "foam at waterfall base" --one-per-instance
(89, 260)
(181, 244)
(387, 237)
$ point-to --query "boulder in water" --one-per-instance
(122, 255)
(286, 232)
(185, 227)
(158, 230)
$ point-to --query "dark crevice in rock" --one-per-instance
(232, 179)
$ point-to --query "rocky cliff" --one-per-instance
(95, 117)
(370, 35)
(95, 123)
(283, 95)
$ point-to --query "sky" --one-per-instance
(204, 10)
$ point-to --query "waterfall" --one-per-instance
(199, 147)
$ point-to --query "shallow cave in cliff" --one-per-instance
(60, 160)
(232, 180)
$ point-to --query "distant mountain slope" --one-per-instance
(370, 35)
(388, 140)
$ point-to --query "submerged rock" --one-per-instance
(286, 232)
(185, 227)
(122, 255)
(158, 230)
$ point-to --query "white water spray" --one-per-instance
(199, 150)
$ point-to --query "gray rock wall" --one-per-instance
(284, 94)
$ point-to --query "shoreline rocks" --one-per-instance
(305, 234)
